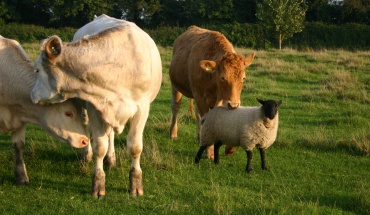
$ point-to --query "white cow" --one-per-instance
(17, 78)
(117, 69)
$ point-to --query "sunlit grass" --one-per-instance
(319, 163)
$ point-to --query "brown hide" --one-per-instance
(205, 67)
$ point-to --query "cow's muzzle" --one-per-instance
(233, 105)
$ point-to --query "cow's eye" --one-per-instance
(223, 79)
(68, 114)
(36, 71)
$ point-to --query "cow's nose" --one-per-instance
(84, 142)
(233, 105)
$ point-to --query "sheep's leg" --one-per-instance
(216, 152)
(199, 154)
(249, 161)
(263, 161)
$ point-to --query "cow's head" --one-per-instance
(230, 75)
(49, 76)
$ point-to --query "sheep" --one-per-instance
(246, 127)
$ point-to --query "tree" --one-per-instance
(244, 11)
(140, 11)
(282, 17)
(356, 11)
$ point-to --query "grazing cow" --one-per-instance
(118, 71)
(63, 121)
(205, 67)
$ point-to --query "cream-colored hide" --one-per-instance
(117, 69)
(63, 121)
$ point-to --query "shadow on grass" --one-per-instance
(354, 204)
(347, 147)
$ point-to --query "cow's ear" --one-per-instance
(248, 60)
(208, 65)
(53, 47)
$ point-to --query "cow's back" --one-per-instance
(16, 73)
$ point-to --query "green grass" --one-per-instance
(319, 163)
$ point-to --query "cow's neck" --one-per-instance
(91, 81)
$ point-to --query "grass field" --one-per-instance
(319, 163)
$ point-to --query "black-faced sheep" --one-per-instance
(246, 127)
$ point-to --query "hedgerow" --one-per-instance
(314, 35)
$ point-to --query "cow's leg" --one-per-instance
(191, 108)
(249, 161)
(110, 158)
(18, 140)
(87, 153)
(217, 146)
(229, 150)
(263, 161)
(100, 138)
(175, 107)
(135, 147)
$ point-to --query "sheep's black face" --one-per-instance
(270, 107)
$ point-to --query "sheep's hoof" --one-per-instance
(264, 168)
(249, 170)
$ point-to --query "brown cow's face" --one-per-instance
(230, 78)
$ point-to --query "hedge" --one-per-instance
(33, 33)
(314, 35)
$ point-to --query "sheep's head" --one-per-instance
(270, 107)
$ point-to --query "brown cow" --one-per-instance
(205, 67)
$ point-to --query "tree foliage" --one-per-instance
(180, 13)
(282, 18)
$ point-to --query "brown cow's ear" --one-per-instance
(208, 65)
(53, 47)
(248, 60)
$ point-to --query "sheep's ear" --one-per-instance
(208, 65)
(279, 103)
(261, 101)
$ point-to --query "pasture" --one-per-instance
(319, 163)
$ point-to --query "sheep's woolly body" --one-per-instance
(245, 127)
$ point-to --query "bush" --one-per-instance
(314, 36)
(33, 33)
(323, 36)
(243, 35)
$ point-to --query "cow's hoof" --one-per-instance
(229, 150)
(98, 195)
(136, 182)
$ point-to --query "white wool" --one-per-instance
(245, 127)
